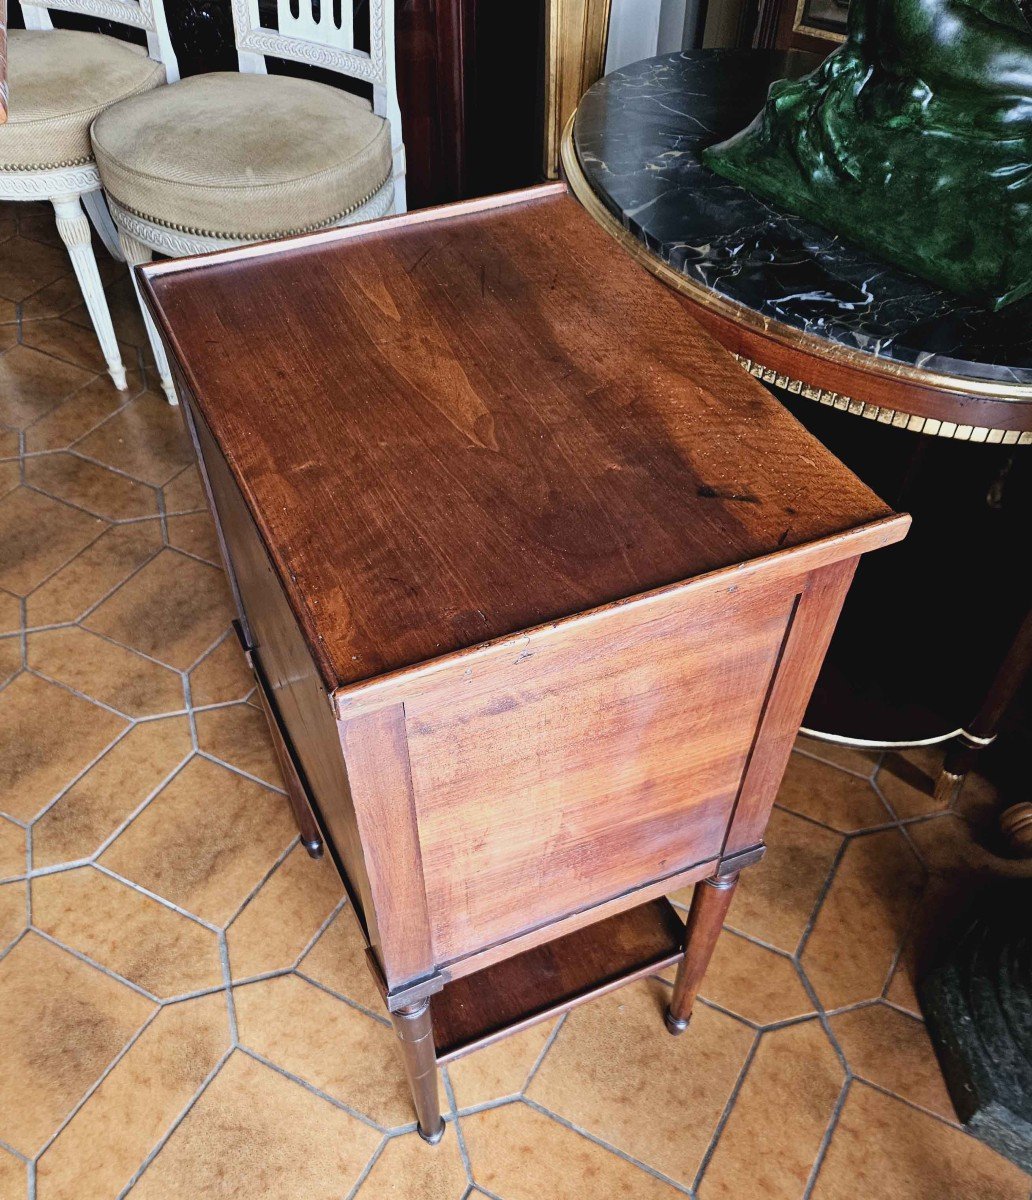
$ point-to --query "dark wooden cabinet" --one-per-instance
(535, 582)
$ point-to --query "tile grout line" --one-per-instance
(315, 1091)
(378, 1017)
(92, 962)
(725, 1115)
(219, 762)
(352, 1191)
(684, 1189)
(818, 903)
(163, 1141)
(829, 1133)
(95, 1086)
(170, 904)
(313, 941)
(549, 1043)
(460, 1137)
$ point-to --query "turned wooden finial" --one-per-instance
(1016, 827)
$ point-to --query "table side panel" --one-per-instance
(297, 689)
(809, 634)
(554, 782)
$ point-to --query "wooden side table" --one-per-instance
(535, 585)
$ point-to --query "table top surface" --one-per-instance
(638, 135)
(456, 425)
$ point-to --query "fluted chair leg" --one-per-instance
(74, 229)
(135, 253)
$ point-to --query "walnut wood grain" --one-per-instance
(510, 458)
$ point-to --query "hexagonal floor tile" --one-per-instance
(776, 899)
(14, 913)
(138, 938)
(615, 1072)
(338, 961)
(753, 982)
(75, 344)
(37, 536)
(863, 920)
(172, 610)
(195, 533)
(110, 791)
(520, 1154)
(222, 676)
(111, 1135)
(27, 265)
(500, 1070)
(106, 672)
(13, 1176)
(409, 1167)
(893, 1050)
(80, 413)
(145, 439)
(329, 1044)
(47, 737)
(10, 613)
(87, 485)
(12, 849)
(206, 841)
(907, 781)
(64, 1022)
(185, 493)
(259, 1134)
(774, 1133)
(93, 573)
(32, 383)
(918, 1157)
(239, 735)
(10, 658)
(835, 798)
(279, 921)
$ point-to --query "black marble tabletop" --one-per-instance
(638, 134)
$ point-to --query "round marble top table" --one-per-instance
(819, 319)
(800, 307)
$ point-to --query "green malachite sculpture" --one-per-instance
(914, 138)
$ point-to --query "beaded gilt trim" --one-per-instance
(886, 416)
(54, 166)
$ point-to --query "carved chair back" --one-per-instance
(322, 33)
(148, 15)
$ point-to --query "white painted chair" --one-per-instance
(59, 81)
(227, 158)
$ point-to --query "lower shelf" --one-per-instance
(549, 979)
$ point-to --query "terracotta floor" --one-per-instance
(183, 1007)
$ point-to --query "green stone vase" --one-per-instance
(914, 138)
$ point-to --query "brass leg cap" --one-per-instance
(431, 1139)
(675, 1025)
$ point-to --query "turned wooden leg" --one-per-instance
(412, 1025)
(710, 903)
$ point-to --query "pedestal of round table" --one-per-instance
(928, 398)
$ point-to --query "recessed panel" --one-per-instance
(594, 766)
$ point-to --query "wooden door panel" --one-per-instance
(558, 783)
